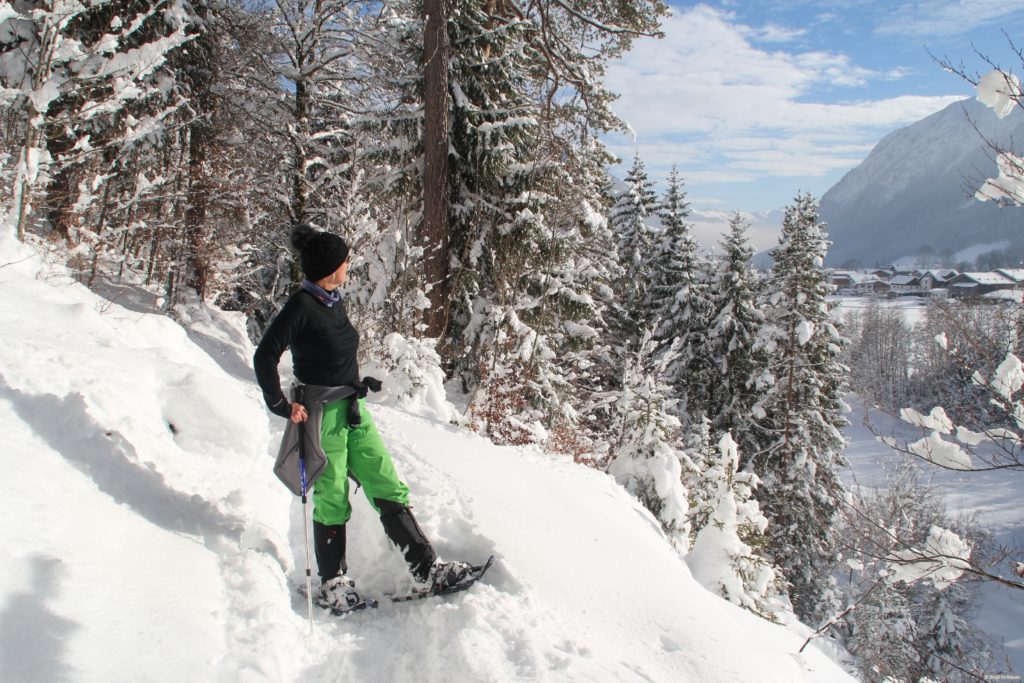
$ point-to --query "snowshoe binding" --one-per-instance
(340, 597)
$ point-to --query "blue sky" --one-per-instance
(755, 100)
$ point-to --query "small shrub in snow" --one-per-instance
(724, 558)
(649, 460)
(410, 370)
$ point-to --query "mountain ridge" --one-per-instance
(915, 189)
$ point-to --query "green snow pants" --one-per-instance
(358, 450)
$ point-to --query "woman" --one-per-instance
(323, 342)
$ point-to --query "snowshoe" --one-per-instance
(446, 578)
(339, 596)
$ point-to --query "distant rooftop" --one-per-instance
(989, 278)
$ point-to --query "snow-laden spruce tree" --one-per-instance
(634, 205)
(523, 281)
(649, 459)
(677, 303)
(86, 81)
(584, 307)
(799, 419)
(735, 322)
(499, 233)
(725, 557)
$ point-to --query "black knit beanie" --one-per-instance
(321, 253)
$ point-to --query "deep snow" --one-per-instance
(143, 534)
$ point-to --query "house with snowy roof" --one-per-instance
(872, 285)
(935, 279)
(845, 279)
(1015, 274)
(967, 285)
(904, 285)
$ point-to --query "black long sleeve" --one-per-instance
(324, 347)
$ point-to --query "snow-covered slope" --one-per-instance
(144, 536)
(914, 189)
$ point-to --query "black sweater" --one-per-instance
(323, 342)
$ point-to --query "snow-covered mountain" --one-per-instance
(915, 189)
(143, 535)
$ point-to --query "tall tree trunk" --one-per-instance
(434, 227)
(200, 76)
(61, 188)
(300, 137)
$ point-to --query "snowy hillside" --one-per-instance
(912, 190)
(143, 534)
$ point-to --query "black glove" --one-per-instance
(372, 383)
(354, 418)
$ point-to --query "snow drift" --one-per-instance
(143, 533)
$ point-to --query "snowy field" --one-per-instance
(912, 307)
(144, 536)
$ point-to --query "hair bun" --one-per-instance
(302, 234)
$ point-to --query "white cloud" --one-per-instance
(725, 110)
(773, 33)
(945, 17)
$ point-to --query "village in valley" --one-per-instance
(894, 281)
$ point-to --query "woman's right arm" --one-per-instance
(268, 354)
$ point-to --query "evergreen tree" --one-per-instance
(674, 249)
(734, 325)
(635, 243)
(678, 304)
(724, 557)
(90, 87)
(800, 417)
(526, 295)
(648, 460)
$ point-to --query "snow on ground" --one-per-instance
(143, 531)
(992, 497)
(912, 307)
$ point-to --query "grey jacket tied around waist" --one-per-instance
(303, 438)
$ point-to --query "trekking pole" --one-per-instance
(305, 523)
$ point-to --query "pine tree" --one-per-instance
(800, 418)
(734, 325)
(87, 82)
(674, 249)
(678, 304)
(634, 206)
(77, 73)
